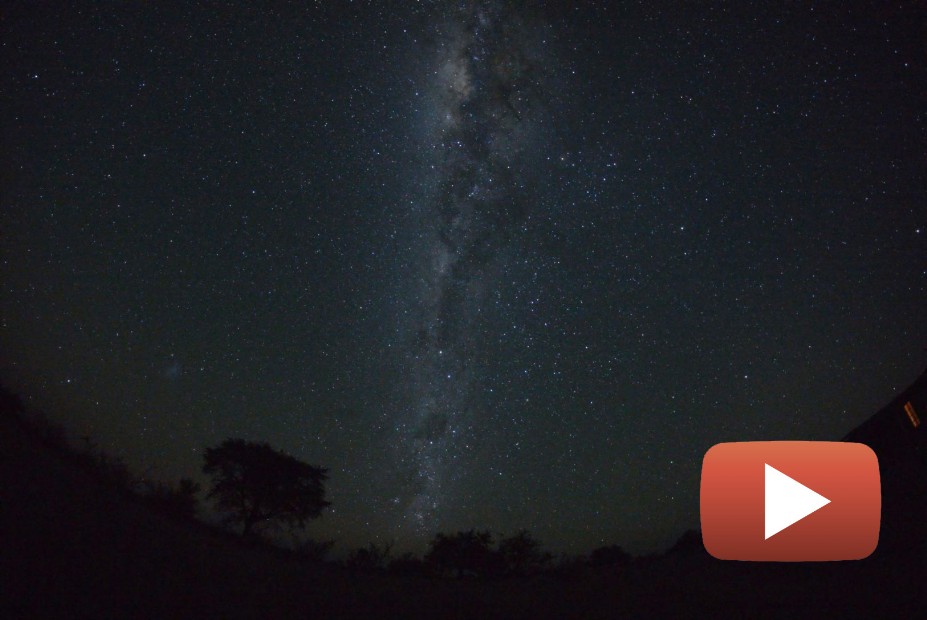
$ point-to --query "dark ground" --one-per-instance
(74, 547)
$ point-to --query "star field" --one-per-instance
(495, 266)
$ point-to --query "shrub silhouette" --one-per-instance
(179, 500)
(408, 565)
(370, 558)
(260, 486)
(314, 550)
(112, 469)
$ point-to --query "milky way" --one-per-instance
(486, 103)
(493, 264)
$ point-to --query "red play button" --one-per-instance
(790, 501)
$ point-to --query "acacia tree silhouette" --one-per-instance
(463, 552)
(258, 485)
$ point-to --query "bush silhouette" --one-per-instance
(179, 500)
(408, 565)
(112, 469)
(311, 549)
(464, 553)
(260, 486)
(370, 558)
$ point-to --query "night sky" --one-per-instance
(495, 265)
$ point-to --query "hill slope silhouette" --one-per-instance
(76, 546)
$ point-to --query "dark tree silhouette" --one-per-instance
(258, 485)
(464, 553)
(407, 565)
(522, 553)
(690, 543)
(612, 555)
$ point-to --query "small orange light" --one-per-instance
(912, 415)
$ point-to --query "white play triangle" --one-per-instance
(787, 501)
